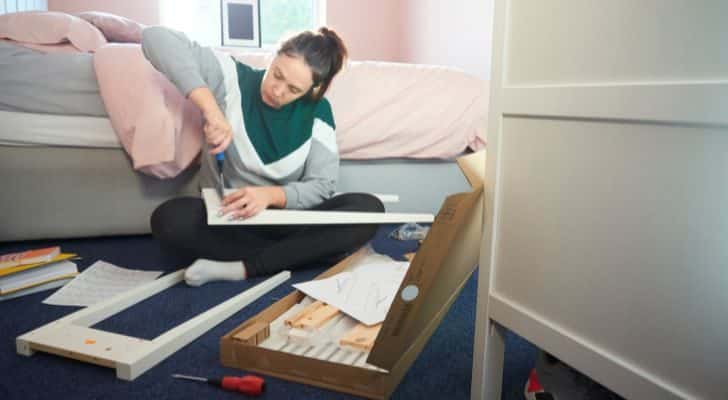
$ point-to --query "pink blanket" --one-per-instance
(385, 110)
(159, 129)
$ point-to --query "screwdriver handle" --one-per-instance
(248, 384)
(220, 160)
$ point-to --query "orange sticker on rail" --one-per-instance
(89, 341)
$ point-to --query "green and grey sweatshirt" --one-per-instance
(293, 147)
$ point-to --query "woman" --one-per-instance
(277, 133)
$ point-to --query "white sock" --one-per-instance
(202, 271)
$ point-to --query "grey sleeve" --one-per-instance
(184, 62)
(318, 183)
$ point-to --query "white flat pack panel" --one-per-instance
(567, 42)
(305, 217)
(70, 336)
(607, 181)
(676, 102)
(616, 233)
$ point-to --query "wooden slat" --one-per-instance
(319, 317)
(313, 316)
(292, 321)
(254, 334)
(361, 337)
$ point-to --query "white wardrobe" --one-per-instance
(607, 208)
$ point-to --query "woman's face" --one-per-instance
(286, 79)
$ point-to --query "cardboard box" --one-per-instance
(439, 270)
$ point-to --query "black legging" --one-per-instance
(181, 227)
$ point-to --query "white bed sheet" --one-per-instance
(30, 129)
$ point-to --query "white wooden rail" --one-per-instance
(71, 336)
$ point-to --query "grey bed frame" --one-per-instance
(67, 192)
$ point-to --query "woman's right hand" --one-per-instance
(218, 132)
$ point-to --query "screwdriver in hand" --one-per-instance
(247, 384)
(220, 160)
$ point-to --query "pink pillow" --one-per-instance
(48, 27)
(114, 27)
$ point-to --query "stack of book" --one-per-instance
(33, 271)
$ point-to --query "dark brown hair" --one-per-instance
(323, 51)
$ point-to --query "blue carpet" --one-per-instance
(442, 369)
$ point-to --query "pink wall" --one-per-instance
(417, 31)
(144, 11)
(370, 28)
(438, 32)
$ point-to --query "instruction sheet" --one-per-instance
(365, 293)
(99, 282)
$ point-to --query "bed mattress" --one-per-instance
(27, 129)
(58, 83)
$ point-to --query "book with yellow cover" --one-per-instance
(18, 268)
(29, 257)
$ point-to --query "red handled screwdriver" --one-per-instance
(247, 384)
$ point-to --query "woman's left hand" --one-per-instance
(250, 200)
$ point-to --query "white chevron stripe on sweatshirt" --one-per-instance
(248, 156)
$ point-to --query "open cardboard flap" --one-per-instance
(440, 269)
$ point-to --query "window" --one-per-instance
(199, 19)
(279, 18)
(202, 20)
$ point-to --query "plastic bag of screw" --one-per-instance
(410, 231)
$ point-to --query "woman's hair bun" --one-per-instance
(323, 51)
